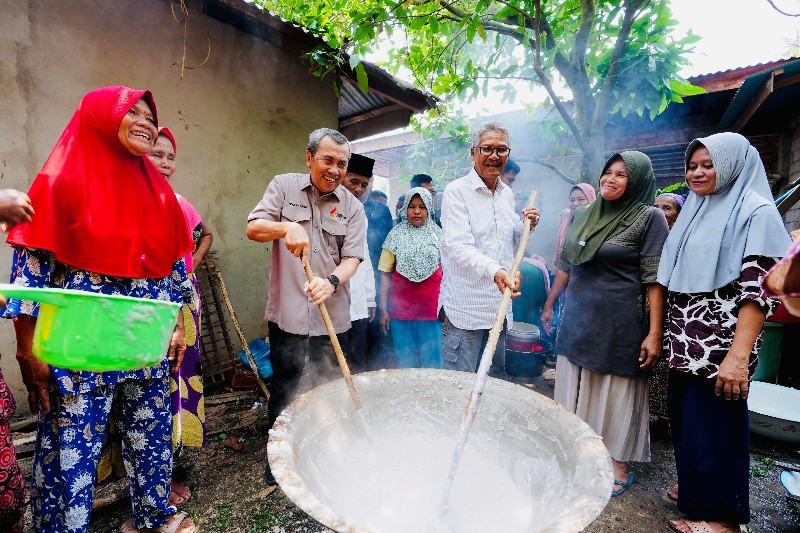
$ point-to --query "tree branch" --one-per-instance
(519, 10)
(588, 12)
(545, 81)
(782, 12)
(604, 103)
(556, 170)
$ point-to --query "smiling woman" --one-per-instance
(608, 266)
(138, 129)
(728, 236)
(106, 222)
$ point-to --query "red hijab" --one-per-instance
(99, 207)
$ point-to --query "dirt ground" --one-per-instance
(229, 494)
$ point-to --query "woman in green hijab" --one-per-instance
(612, 322)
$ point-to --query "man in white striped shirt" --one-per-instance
(479, 233)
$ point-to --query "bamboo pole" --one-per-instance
(242, 338)
(335, 341)
(488, 353)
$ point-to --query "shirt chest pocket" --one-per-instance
(333, 236)
(295, 214)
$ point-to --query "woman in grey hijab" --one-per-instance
(727, 237)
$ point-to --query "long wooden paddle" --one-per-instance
(488, 353)
(335, 341)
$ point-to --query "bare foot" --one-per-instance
(672, 492)
(684, 525)
(178, 523)
(621, 473)
(179, 494)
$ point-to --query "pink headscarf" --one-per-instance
(538, 262)
(565, 216)
(189, 212)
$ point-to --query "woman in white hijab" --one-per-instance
(726, 238)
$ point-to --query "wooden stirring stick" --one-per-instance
(335, 341)
(488, 354)
(494, 333)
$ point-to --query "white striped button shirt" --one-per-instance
(479, 233)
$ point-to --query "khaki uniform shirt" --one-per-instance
(336, 227)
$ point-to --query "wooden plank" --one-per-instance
(228, 397)
(756, 102)
(111, 493)
(231, 421)
(24, 424)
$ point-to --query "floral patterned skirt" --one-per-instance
(12, 484)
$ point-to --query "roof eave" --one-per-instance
(370, 118)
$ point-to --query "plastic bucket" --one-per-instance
(769, 357)
(525, 365)
(99, 332)
(522, 337)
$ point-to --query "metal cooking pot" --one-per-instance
(521, 335)
(558, 463)
(524, 353)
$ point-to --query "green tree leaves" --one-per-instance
(609, 55)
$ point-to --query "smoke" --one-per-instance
(551, 198)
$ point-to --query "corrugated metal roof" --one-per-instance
(390, 101)
(733, 78)
(757, 66)
(354, 102)
(750, 88)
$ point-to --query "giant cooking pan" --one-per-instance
(536, 467)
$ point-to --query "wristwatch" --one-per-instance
(334, 281)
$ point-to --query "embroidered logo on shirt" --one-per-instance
(336, 216)
(298, 205)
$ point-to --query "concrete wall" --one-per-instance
(240, 118)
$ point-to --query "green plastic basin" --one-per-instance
(98, 332)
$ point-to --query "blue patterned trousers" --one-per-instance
(69, 441)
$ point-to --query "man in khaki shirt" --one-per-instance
(308, 216)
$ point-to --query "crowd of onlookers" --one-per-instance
(636, 278)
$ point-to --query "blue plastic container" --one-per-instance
(259, 349)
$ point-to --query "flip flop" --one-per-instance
(175, 521)
(622, 484)
(695, 526)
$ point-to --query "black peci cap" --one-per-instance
(360, 165)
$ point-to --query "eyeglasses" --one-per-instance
(501, 151)
(332, 161)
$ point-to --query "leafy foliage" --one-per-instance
(681, 188)
(444, 150)
(609, 55)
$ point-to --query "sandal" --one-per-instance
(623, 484)
(177, 523)
(179, 494)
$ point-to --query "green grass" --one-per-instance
(263, 519)
(761, 467)
(224, 515)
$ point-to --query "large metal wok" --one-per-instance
(545, 470)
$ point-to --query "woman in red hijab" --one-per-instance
(106, 222)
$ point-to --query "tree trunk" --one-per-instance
(593, 158)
